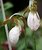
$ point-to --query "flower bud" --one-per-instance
(33, 21)
(14, 35)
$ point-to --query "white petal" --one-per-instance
(14, 35)
(33, 21)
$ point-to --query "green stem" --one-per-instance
(6, 27)
(34, 43)
(34, 39)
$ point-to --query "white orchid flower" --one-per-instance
(33, 21)
(14, 35)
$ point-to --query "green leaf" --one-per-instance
(28, 31)
(39, 44)
(2, 35)
(8, 5)
(1, 16)
(21, 44)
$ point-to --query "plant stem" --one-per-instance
(34, 39)
(6, 27)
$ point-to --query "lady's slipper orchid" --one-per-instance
(14, 35)
(33, 21)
